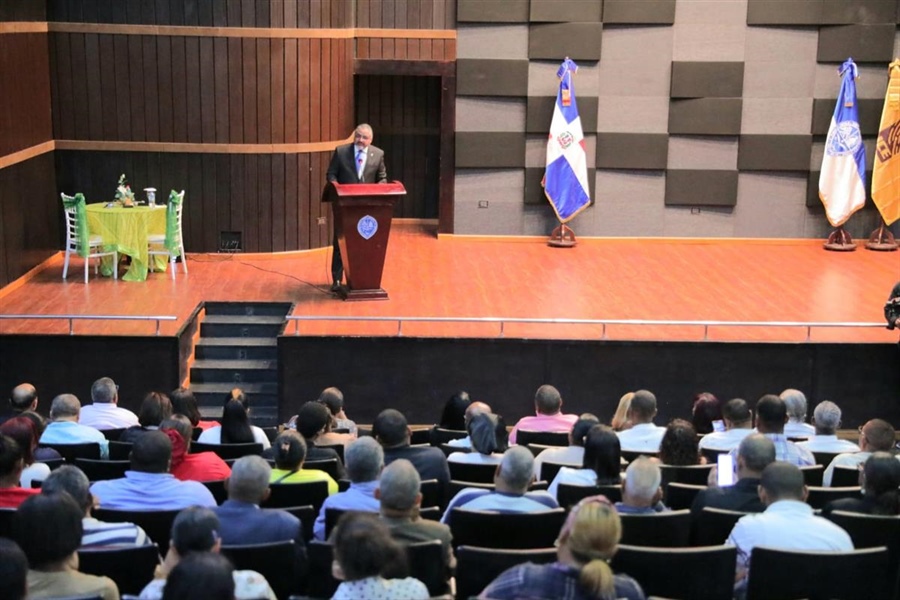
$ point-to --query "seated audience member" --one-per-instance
(488, 436)
(620, 420)
(290, 453)
(510, 495)
(643, 436)
(475, 408)
(23, 397)
(880, 481)
(573, 454)
(365, 460)
(312, 421)
(104, 412)
(184, 403)
(679, 445)
(588, 540)
(333, 398)
(453, 416)
(326, 434)
(642, 488)
(548, 414)
(13, 571)
(796, 427)
(400, 498)
(827, 419)
(196, 531)
(788, 523)
(875, 436)
(771, 415)
(892, 308)
(364, 553)
(48, 529)
(155, 408)
(21, 429)
(199, 466)
(755, 453)
(12, 461)
(149, 485)
(393, 433)
(738, 425)
(201, 575)
(235, 427)
(706, 413)
(65, 428)
(602, 463)
(97, 533)
(40, 424)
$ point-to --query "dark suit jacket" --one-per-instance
(242, 523)
(429, 462)
(742, 497)
(342, 168)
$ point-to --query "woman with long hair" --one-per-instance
(21, 429)
(155, 408)
(620, 420)
(235, 427)
(879, 478)
(602, 464)
(454, 413)
(706, 413)
(184, 403)
(679, 445)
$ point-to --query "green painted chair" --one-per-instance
(80, 241)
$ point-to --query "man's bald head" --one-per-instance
(782, 481)
(65, 407)
(476, 408)
(23, 397)
(755, 453)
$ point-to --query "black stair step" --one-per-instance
(241, 326)
(266, 416)
(248, 308)
(236, 348)
(235, 371)
(214, 394)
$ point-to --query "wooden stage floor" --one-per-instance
(457, 276)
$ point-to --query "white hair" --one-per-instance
(643, 478)
(827, 416)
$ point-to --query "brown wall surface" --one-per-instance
(24, 91)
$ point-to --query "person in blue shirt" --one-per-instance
(365, 460)
(65, 410)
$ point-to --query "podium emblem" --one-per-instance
(367, 227)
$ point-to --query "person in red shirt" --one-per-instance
(203, 466)
(12, 461)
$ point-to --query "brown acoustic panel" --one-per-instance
(687, 187)
(487, 150)
(566, 11)
(869, 115)
(867, 12)
(479, 11)
(865, 43)
(705, 116)
(477, 77)
(539, 112)
(784, 12)
(632, 150)
(534, 191)
(579, 41)
(707, 80)
(774, 152)
(812, 191)
(645, 12)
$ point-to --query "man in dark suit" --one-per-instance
(392, 432)
(359, 162)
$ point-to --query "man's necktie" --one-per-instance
(360, 154)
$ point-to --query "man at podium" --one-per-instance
(359, 162)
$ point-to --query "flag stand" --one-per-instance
(882, 240)
(562, 237)
(840, 241)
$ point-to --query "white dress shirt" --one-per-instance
(798, 429)
(724, 440)
(106, 415)
(644, 437)
(571, 456)
(213, 435)
(828, 443)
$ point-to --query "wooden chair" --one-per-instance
(329, 465)
(477, 567)
(546, 438)
(131, 567)
(476, 473)
(94, 243)
(442, 436)
(338, 448)
(447, 449)
(419, 437)
(820, 496)
(506, 530)
(630, 455)
(783, 575)
(157, 243)
(714, 525)
(119, 450)
(691, 474)
(72, 451)
(872, 531)
(845, 477)
(549, 470)
(666, 529)
(99, 470)
(701, 573)
(227, 451)
(217, 488)
(825, 458)
(569, 495)
(681, 495)
(812, 475)
(112, 435)
(297, 494)
(276, 561)
(307, 515)
(332, 517)
(432, 493)
(271, 433)
(156, 523)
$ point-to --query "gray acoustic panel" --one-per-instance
(774, 152)
(863, 12)
(705, 116)
(566, 11)
(483, 150)
(479, 11)
(701, 188)
(539, 112)
(865, 43)
(784, 12)
(491, 77)
(645, 12)
(555, 41)
(812, 191)
(707, 80)
(632, 151)
(869, 115)
(534, 191)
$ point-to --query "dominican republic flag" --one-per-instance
(842, 182)
(565, 180)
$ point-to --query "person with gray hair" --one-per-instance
(514, 475)
(641, 488)
(643, 435)
(548, 414)
(65, 428)
(365, 461)
(796, 426)
(827, 419)
(104, 412)
(70, 480)
(755, 453)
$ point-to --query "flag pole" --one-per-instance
(882, 240)
(840, 241)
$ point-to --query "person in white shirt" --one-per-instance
(235, 427)
(796, 427)
(875, 436)
(489, 441)
(738, 424)
(827, 419)
(602, 463)
(643, 436)
(475, 408)
(105, 413)
(571, 455)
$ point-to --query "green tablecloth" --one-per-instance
(126, 230)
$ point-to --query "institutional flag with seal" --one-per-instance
(886, 174)
(842, 182)
(565, 179)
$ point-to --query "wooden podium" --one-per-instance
(362, 223)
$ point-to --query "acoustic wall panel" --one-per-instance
(565, 11)
(539, 112)
(555, 41)
(707, 79)
(705, 116)
(632, 151)
(645, 12)
(867, 12)
(781, 12)
(869, 114)
(491, 77)
(701, 188)
(865, 43)
(534, 191)
(479, 11)
(774, 152)
(483, 149)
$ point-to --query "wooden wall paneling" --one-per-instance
(303, 95)
(362, 13)
(276, 14)
(304, 164)
(321, 235)
(327, 89)
(400, 14)
(291, 201)
(221, 92)
(339, 89)
(176, 12)
(194, 200)
(206, 13)
(278, 89)
(290, 13)
(315, 90)
(155, 175)
(65, 87)
(162, 11)
(249, 87)
(191, 13)
(315, 15)
(5, 175)
(278, 221)
(290, 105)
(263, 91)
(251, 202)
(208, 108)
(148, 11)
(233, 10)
(264, 214)
(150, 88)
(263, 14)
(177, 91)
(133, 12)
(123, 88)
(102, 11)
(238, 193)
(303, 14)
(248, 13)
(6, 69)
(189, 87)
(81, 123)
(219, 13)
(362, 48)
(136, 91)
(235, 91)
(221, 202)
(166, 98)
(119, 15)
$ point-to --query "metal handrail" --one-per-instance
(604, 322)
(73, 318)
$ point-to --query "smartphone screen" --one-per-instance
(725, 470)
(718, 425)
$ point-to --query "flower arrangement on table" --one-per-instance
(124, 195)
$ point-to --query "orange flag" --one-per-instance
(886, 174)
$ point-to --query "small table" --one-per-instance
(127, 230)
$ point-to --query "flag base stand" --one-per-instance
(840, 241)
(882, 240)
(562, 237)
